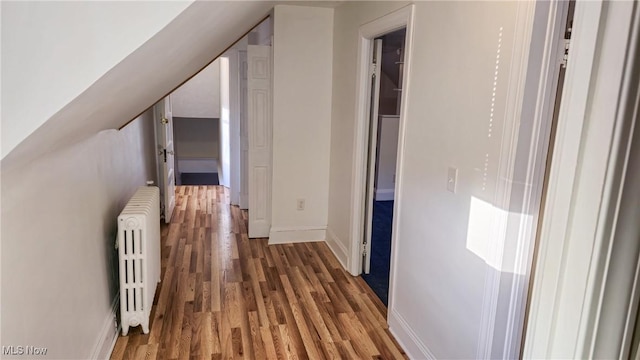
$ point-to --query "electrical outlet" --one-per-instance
(300, 204)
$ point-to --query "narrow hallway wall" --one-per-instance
(59, 264)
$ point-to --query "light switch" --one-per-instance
(452, 179)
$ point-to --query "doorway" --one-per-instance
(197, 119)
(249, 108)
(386, 95)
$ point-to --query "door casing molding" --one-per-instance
(568, 303)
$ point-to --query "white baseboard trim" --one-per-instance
(108, 334)
(338, 248)
(297, 234)
(385, 194)
(407, 338)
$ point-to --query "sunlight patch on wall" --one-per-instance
(484, 236)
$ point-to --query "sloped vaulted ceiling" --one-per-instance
(179, 50)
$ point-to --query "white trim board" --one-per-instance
(337, 247)
(568, 312)
(290, 235)
(109, 333)
(401, 330)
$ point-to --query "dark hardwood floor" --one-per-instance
(224, 296)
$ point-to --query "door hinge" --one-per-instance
(565, 55)
(164, 153)
(373, 70)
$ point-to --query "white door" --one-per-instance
(244, 134)
(225, 143)
(165, 151)
(371, 161)
(259, 129)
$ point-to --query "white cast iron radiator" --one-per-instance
(139, 251)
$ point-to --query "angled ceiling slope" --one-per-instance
(178, 51)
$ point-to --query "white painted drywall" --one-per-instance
(59, 264)
(200, 96)
(442, 251)
(262, 33)
(53, 51)
(387, 157)
(302, 68)
(347, 19)
(196, 138)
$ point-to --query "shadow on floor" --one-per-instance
(199, 179)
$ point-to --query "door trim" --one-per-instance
(568, 300)
(401, 18)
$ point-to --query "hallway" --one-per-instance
(225, 296)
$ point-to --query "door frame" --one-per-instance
(243, 124)
(570, 310)
(401, 18)
(372, 156)
(234, 126)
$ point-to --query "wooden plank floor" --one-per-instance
(224, 296)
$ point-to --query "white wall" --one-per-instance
(302, 68)
(196, 138)
(53, 51)
(59, 264)
(262, 33)
(442, 254)
(387, 157)
(200, 96)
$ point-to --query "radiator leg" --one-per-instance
(125, 329)
(145, 327)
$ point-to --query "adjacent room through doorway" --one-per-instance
(196, 128)
(383, 158)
